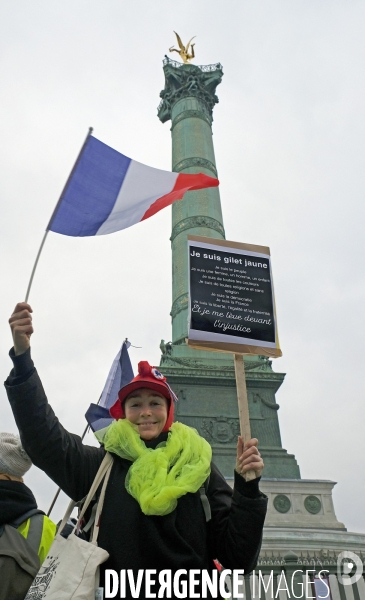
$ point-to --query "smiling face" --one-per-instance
(148, 410)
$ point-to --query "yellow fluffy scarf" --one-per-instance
(158, 477)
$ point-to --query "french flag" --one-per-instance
(121, 373)
(107, 192)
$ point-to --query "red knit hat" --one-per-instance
(148, 377)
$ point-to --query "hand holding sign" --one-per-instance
(248, 457)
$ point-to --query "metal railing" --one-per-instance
(204, 68)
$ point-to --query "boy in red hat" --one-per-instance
(153, 516)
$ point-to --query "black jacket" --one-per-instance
(180, 540)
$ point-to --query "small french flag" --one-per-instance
(107, 192)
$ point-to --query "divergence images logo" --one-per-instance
(346, 561)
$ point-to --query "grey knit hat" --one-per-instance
(13, 458)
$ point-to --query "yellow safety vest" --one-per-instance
(48, 534)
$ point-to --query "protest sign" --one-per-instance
(231, 298)
(232, 307)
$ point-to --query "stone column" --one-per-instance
(188, 100)
(205, 381)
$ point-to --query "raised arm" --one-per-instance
(62, 455)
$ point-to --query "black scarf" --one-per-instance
(15, 500)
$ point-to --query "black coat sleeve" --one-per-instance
(235, 530)
(71, 464)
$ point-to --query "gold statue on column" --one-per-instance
(184, 50)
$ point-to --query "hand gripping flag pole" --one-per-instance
(53, 214)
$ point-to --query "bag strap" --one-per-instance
(91, 521)
(104, 467)
(205, 500)
(100, 506)
(35, 531)
(68, 512)
(25, 516)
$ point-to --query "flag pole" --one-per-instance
(128, 344)
(35, 266)
(54, 214)
(59, 489)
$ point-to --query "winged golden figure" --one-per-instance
(184, 50)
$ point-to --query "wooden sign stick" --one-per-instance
(243, 412)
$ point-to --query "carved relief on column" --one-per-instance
(192, 114)
(195, 161)
(180, 304)
(222, 430)
(199, 221)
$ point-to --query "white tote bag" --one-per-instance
(71, 568)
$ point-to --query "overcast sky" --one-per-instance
(289, 141)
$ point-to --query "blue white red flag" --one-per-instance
(108, 191)
(120, 374)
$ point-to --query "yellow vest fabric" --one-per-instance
(48, 534)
